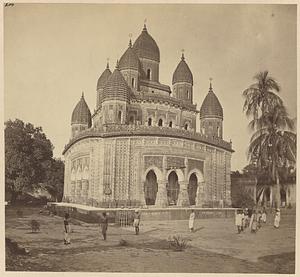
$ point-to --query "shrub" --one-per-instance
(177, 243)
(289, 206)
(123, 242)
(35, 226)
(19, 213)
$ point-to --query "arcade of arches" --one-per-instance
(172, 190)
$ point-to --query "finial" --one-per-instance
(210, 86)
(82, 96)
(107, 65)
(130, 43)
(145, 28)
(117, 65)
(182, 54)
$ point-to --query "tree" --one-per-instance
(273, 145)
(28, 153)
(261, 96)
(55, 179)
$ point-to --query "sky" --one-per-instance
(54, 52)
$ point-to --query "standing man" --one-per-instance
(104, 225)
(277, 218)
(67, 229)
(238, 221)
(191, 221)
(136, 221)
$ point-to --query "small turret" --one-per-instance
(211, 115)
(101, 83)
(129, 66)
(81, 117)
(183, 81)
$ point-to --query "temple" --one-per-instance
(140, 146)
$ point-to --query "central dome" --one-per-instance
(146, 47)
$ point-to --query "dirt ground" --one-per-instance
(214, 247)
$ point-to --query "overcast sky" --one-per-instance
(53, 52)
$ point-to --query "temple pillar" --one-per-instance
(200, 195)
(183, 197)
(161, 197)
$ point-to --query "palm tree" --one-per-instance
(273, 145)
(261, 96)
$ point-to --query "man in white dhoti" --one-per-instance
(239, 221)
(277, 218)
(264, 215)
(191, 221)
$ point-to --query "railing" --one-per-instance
(124, 218)
(165, 99)
(133, 130)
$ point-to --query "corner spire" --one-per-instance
(145, 27)
(182, 54)
(210, 85)
(107, 64)
(117, 65)
(82, 95)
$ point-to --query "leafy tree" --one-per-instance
(28, 153)
(241, 197)
(55, 179)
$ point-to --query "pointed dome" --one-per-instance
(211, 106)
(182, 73)
(81, 114)
(146, 47)
(129, 59)
(103, 78)
(116, 88)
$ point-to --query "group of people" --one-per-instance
(103, 225)
(253, 219)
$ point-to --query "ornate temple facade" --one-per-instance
(140, 146)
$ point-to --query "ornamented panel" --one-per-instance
(122, 169)
(195, 164)
(220, 174)
(175, 162)
(153, 161)
(199, 146)
(150, 141)
(107, 170)
(163, 141)
(188, 144)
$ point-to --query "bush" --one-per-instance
(35, 226)
(19, 213)
(289, 206)
(123, 242)
(177, 243)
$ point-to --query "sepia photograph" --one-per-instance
(150, 138)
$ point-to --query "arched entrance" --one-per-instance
(172, 188)
(192, 189)
(150, 188)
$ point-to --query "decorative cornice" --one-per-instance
(109, 131)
